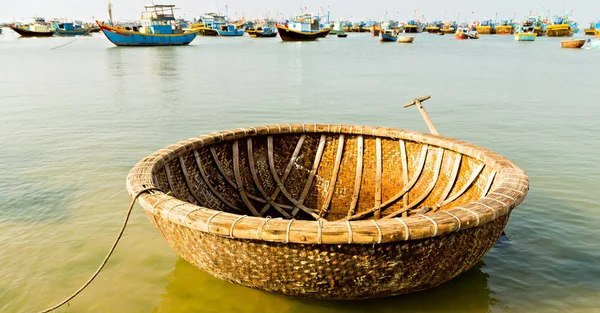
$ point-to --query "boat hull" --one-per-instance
(559, 31)
(29, 33)
(387, 38)
(261, 34)
(287, 34)
(78, 32)
(484, 30)
(573, 43)
(235, 33)
(590, 32)
(461, 36)
(432, 30)
(406, 39)
(525, 37)
(504, 30)
(121, 37)
(411, 29)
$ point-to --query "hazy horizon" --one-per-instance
(469, 10)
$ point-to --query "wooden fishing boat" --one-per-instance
(34, 30)
(506, 27)
(526, 33)
(388, 35)
(342, 35)
(157, 30)
(463, 33)
(329, 211)
(375, 30)
(262, 32)
(572, 43)
(560, 27)
(432, 29)
(70, 29)
(406, 39)
(302, 28)
(486, 28)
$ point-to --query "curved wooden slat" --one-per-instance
(397, 196)
(313, 170)
(334, 176)
(238, 178)
(378, 170)
(188, 181)
(286, 173)
(434, 179)
(258, 183)
(220, 167)
(451, 181)
(358, 176)
(466, 186)
(488, 185)
(210, 186)
(297, 205)
(404, 157)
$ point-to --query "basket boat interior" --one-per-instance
(324, 176)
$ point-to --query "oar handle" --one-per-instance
(424, 114)
(422, 99)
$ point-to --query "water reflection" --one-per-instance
(191, 290)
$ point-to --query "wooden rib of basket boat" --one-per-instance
(329, 211)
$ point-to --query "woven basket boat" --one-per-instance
(329, 211)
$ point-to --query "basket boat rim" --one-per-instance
(509, 192)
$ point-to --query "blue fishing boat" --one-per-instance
(526, 33)
(69, 29)
(388, 35)
(159, 28)
(220, 25)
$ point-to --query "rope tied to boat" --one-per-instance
(107, 257)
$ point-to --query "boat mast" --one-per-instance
(110, 18)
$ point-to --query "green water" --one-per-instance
(74, 120)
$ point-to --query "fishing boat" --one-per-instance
(337, 28)
(593, 29)
(448, 28)
(388, 35)
(303, 27)
(406, 39)
(158, 29)
(463, 33)
(342, 35)
(39, 28)
(263, 32)
(526, 33)
(434, 27)
(69, 29)
(506, 27)
(230, 30)
(413, 26)
(213, 24)
(560, 27)
(486, 28)
(375, 29)
(572, 43)
(306, 209)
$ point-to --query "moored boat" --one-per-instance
(560, 27)
(158, 29)
(506, 27)
(245, 194)
(572, 43)
(526, 33)
(303, 27)
(388, 35)
(262, 32)
(70, 29)
(39, 28)
(486, 28)
(342, 35)
(463, 33)
(413, 26)
(592, 30)
(406, 39)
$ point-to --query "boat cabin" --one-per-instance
(159, 19)
(305, 23)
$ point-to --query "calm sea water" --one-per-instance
(74, 120)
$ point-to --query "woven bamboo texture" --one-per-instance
(329, 211)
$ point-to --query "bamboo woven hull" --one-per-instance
(329, 211)
(334, 272)
(573, 44)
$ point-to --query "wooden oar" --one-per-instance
(419, 103)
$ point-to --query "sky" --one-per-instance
(584, 11)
